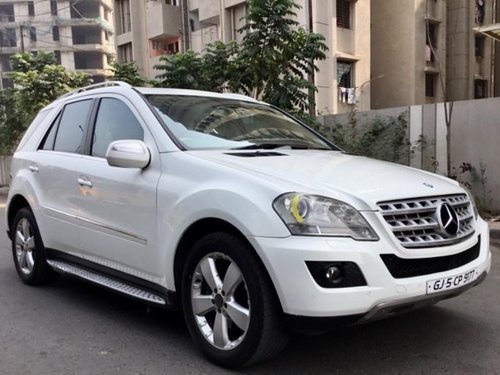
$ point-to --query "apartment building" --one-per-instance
(147, 29)
(429, 51)
(408, 52)
(343, 79)
(471, 54)
(80, 33)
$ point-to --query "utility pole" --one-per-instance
(310, 76)
(21, 28)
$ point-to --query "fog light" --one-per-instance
(336, 274)
(333, 274)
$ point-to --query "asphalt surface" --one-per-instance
(72, 327)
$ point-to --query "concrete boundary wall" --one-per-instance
(475, 139)
(4, 170)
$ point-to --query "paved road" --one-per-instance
(74, 328)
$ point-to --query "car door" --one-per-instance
(56, 173)
(118, 205)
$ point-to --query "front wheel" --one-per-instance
(229, 304)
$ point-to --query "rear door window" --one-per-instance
(71, 127)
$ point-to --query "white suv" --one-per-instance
(230, 209)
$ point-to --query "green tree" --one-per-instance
(277, 55)
(128, 72)
(38, 80)
(215, 71)
(220, 66)
(11, 121)
(272, 63)
(182, 71)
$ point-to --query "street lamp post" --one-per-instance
(361, 87)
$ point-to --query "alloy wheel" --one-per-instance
(25, 246)
(220, 302)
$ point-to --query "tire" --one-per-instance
(28, 250)
(241, 322)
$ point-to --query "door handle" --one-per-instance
(84, 181)
(33, 168)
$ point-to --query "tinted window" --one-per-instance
(48, 142)
(225, 123)
(72, 126)
(114, 121)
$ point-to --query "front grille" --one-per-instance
(401, 268)
(414, 221)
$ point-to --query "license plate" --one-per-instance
(451, 282)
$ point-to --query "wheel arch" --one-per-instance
(16, 203)
(199, 229)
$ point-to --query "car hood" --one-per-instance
(335, 174)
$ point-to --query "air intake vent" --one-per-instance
(255, 154)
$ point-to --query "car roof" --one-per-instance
(121, 87)
(186, 92)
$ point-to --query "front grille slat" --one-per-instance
(414, 221)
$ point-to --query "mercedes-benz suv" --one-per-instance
(236, 213)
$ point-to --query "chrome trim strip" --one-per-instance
(91, 224)
(107, 282)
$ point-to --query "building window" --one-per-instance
(480, 87)
(7, 13)
(479, 46)
(32, 34)
(55, 34)
(344, 13)
(431, 38)
(57, 55)
(480, 10)
(5, 63)
(31, 8)
(430, 85)
(125, 53)
(8, 38)
(345, 73)
(126, 23)
(53, 7)
(7, 83)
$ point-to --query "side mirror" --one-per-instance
(128, 154)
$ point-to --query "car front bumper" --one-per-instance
(300, 295)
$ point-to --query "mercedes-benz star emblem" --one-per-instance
(447, 219)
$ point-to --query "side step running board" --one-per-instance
(107, 282)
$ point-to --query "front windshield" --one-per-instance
(219, 123)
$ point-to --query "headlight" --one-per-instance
(472, 202)
(320, 216)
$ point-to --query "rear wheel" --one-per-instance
(230, 306)
(28, 250)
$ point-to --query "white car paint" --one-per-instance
(132, 220)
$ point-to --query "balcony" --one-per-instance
(163, 20)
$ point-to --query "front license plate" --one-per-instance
(451, 282)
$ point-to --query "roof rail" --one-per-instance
(96, 86)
